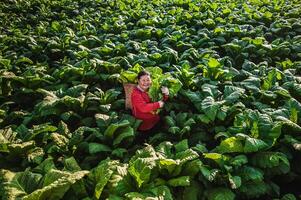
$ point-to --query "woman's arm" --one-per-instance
(140, 104)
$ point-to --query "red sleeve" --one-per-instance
(140, 104)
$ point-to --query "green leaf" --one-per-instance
(110, 131)
(71, 164)
(101, 175)
(235, 182)
(192, 168)
(220, 194)
(254, 145)
(21, 149)
(5, 63)
(203, 118)
(45, 166)
(126, 133)
(288, 197)
(38, 129)
(185, 156)
(293, 126)
(16, 185)
(181, 146)
(102, 120)
(119, 152)
(128, 77)
(155, 72)
(141, 170)
(254, 189)
(275, 162)
(196, 98)
(232, 93)
(213, 63)
(168, 164)
(217, 157)
(249, 173)
(96, 148)
(210, 107)
(252, 83)
(36, 155)
(174, 130)
(24, 60)
(210, 175)
(162, 192)
(180, 181)
(56, 189)
(60, 140)
(231, 145)
(193, 192)
(136, 196)
(75, 91)
(239, 160)
(55, 25)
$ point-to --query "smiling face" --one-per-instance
(144, 82)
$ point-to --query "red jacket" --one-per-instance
(142, 108)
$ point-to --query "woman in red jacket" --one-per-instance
(142, 107)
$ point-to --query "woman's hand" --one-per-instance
(165, 90)
(161, 103)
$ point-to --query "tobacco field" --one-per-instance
(231, 129)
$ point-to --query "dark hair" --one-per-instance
(143, 73)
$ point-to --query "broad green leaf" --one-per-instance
(239, 160)
(220, 193)
(254, 145)
(210, 175)
(231, 145)
(180, 181)
(136, 196)
(101, 175)
(96, 148)
(119, 152)
(110, 131)
(211, 107)
(185, 156)
(53, 175)
(213, 63)
(235, 182)
(60, 140)
(168, 164)
(38, 129)
(289, 197)
(126, 133)
(141, 170)
(17, 185)
(192, 168)
(276, 162)
(250, 173)
(24, 60)
(193, 192)
(232, 93)
(36, 155)
(21, 149)
(56, 189)
(254, 189)
(181, 146)
(162, 192)
(75, 91)
(70, 164)
(45, 166)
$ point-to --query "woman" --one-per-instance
(142, 107)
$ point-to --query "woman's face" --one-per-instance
(145, 82)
